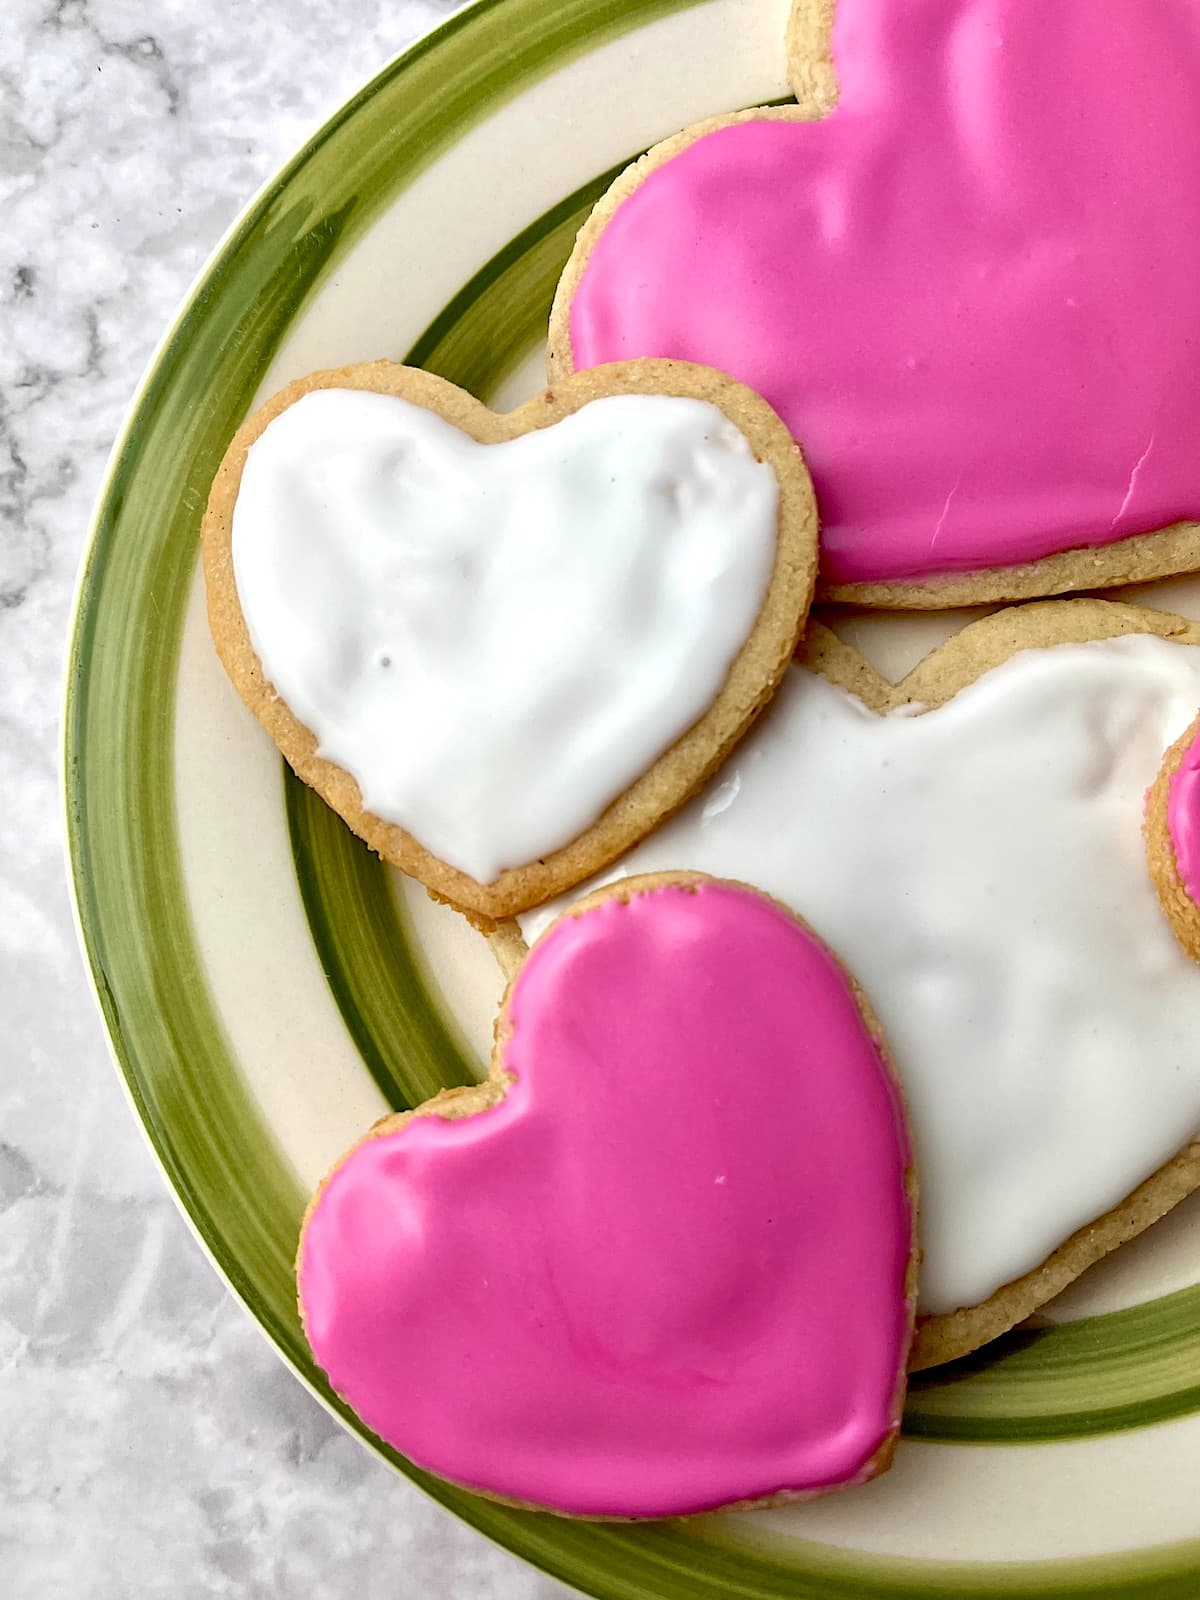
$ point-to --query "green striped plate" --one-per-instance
(269, 988)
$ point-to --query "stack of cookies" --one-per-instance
(847, 1021)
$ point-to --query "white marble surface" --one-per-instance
(150, 1442)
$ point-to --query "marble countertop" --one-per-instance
(150, 1441)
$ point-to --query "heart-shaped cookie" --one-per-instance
(955, 270)
(980, 868)
(1173, 838)
(662, 1261)
(503, 648)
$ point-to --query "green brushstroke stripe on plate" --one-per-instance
(1125, 1369)
(408, 1045)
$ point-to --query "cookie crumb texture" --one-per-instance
(663, 1261)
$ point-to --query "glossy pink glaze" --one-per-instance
(971, 291)
(667, 1272)
(1183, 819)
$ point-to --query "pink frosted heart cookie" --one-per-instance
(955, 271)
(663, 1260)
(1173, 837)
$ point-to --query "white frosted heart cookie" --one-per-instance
(969, 840)
(504, 647)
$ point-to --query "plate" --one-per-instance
(269, 988)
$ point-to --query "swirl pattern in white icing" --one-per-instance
(497, 640)
(980, 868)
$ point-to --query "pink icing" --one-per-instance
(1183, 819)
(971, 291)
(667, 1272)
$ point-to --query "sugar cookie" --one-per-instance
(969, 841)
(504, 647)
(661, 1262)
(955, 269)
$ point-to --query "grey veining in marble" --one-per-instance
(150, 1442)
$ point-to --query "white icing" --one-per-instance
(981, 870)
(497, 640)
